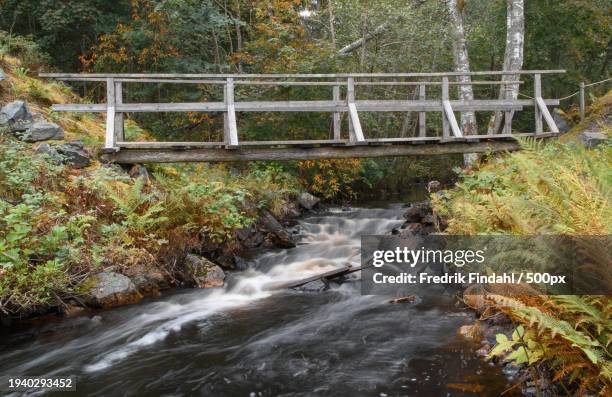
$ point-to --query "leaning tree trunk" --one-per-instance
(462, 64)
(513, 57)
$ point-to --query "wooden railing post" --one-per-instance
(537, 93)
(582, 102)
(336, 116)
(119, 116)
(355, 131)
(109, 142)
(445, 96)
(230, 128)
(422, 115)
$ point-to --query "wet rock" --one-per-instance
(405, 299)
(109, 289)
(559, 118)
(511, 371)
(72, 310)
(74, 153)
(42, 131)
(428, 219)
(150, 282)
(474, 297)
(468, 331)
(417, 211)
(590, 139)
(410, 230)
(15, 112)
(204, 273)
(240, 263)
(489, 333)
(276, 233)
(307, 200)
(290, 209)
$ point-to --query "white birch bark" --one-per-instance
(513, 56)
(462, 64)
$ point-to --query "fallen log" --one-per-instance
(329, 275)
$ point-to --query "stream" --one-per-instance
(246, 340)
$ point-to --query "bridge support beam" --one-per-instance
(250, 154)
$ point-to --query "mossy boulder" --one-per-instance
(203, 273)
(109, 289)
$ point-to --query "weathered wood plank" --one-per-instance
(253, 154)
(232, 128)
(119, 117)
(537, 91)
(80, 107)
(183, 145)
(291, 75)
(422, 115)
(325, 275)
(310, 106)
(336, 117)
(445, 98)
(109, 141)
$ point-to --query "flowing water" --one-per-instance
(246, 340)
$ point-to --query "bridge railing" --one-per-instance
(116, 108)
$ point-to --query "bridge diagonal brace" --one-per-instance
(541, 109)
(230, 126)
(448, 116)
(547, 116)
(452, 120)
(355, 130)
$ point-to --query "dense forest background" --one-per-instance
(307, 36)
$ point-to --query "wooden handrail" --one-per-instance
(115, 108)
(62, 76)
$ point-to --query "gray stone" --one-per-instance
(108, 289)
(43, 132)
(590, 139)
(138, 170)
(277, 234)
(16, 111)
(74, 154)
(417, 211)
(204, 273)
(307, 200)
(434, 186)
(45, 148)
(559, 118)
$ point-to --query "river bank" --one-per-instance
(243, 338)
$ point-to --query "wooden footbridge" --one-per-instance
(343, 100)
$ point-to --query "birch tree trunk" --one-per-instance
(513, 56)
(332, 20)
(462, 64)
